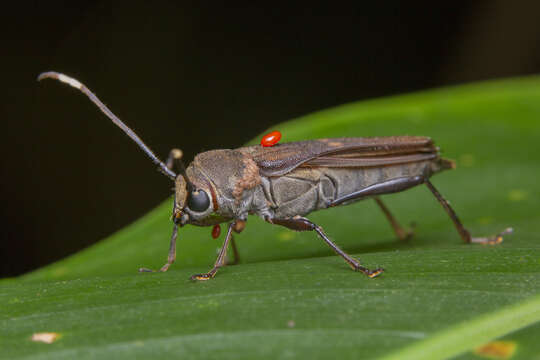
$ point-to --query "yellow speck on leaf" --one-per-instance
(497, 350)
(517, 195)
(466, 160)
(45, 337)
(485, 220)
(60, 271)
(286, 235)
(210, 304)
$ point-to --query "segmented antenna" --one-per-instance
(78, 85)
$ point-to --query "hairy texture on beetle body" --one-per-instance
(250, 178)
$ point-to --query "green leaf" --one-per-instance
(472, 333)
(438, 298)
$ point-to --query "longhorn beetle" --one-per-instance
(284, 182)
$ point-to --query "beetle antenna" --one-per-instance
(81, 87)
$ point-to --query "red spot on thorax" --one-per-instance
(271, 139)
(216, 230)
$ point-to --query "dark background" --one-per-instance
(200, 77)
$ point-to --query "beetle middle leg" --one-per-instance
(464, 233)
(220, 261)
(400, 232)
(237, 228)
(384, 187)
(299, 223)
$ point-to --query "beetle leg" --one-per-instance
(464, 233)
(235, 253)
(172, 253)
(220, 261)
(175, 156)
(401, 233)
(237, 228)
(302, 224)
(385, 187)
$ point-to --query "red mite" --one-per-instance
(271, 139)
(216, 230)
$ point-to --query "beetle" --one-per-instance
(282, 183)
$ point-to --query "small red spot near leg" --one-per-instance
(271, 139)
(216, 230)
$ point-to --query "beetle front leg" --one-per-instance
(220, 261)
(175, 157)
(172, 253)
(400, 232)
(464, 233)
(299, 223)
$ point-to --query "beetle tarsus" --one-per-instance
(369, 273)
(494, 239)
(374, 273)
(163, 268)
(204, 277)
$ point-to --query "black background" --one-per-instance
(202, 76)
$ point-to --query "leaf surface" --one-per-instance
(289, 297)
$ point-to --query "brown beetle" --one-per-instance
(285, 182)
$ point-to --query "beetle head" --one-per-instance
(207, 190)
(194, 199)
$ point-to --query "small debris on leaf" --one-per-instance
(45, 337)
(497, 350)
(291, 323)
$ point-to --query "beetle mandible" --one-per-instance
(285, 182)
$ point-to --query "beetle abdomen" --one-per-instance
(304, 190)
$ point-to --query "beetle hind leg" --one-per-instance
(464, 233)
(299, 223)
(401, 233)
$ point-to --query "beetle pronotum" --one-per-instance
(283, 183)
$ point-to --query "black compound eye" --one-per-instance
(198, 201)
